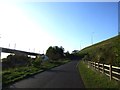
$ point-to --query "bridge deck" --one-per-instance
(8, 50)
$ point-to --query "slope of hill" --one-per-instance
(107, 51)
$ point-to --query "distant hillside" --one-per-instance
(107, 51)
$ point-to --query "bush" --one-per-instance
(37, 62)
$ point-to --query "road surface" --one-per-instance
(64, 76)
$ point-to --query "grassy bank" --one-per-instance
(12, 75)
(107, 51)
(94, 79)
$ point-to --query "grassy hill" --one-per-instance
(107, 51)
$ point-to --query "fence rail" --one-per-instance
(112, 71)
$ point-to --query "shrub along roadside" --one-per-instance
(12, 75)
(93, 79)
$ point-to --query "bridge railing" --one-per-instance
(112, 71)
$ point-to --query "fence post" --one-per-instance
(95, 64)
(110, 71)
(103, 68)
(98, 66)
(88, 64)
(92, 64)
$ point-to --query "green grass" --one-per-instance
(107, 51)
(94, 79)
(12, 75)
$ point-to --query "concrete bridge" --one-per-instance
(8, 50)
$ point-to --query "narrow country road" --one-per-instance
(64, 76)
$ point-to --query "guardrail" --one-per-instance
(112, 71)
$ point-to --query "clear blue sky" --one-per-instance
(70, 25)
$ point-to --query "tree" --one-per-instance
(67, 55)
(15, 60)
(50, 53)
(55, 52)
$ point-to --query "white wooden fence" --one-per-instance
(112, 71)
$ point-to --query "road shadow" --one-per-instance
(59, 71)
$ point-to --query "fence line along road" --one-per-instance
(112, 71)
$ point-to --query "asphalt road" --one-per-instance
(64, 76)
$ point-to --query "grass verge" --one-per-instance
(94, 79)
(12, 75)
